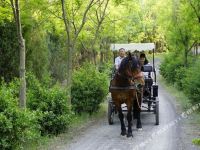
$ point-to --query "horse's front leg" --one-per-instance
(139, 124)
(137, 110)
(121, 118)
(129, 118)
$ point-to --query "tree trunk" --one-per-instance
(186, 51)
(101, 57)
(22, 95)
(196, 49)
(101, 53)
(22, 71)
(94, 57)
(186, 58)
(69, 70)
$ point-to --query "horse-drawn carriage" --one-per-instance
(131, 92)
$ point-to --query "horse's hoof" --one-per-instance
(139, 125)
(129, 135)
(123, 133)
(139, 129)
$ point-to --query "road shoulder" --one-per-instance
(189, 125)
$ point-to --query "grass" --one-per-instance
(196, 141)
(78, 124)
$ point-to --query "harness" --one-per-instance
(133, 79)
(134, 85)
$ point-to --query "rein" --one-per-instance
(136, 94)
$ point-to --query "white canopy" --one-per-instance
(133, 46)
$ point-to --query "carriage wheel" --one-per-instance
(157, 112)
(110, 113)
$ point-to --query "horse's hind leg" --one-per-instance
(121, 118)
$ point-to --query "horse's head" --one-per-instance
(130, 67)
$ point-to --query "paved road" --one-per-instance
(166, 136)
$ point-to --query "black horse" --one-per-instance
(126, 87)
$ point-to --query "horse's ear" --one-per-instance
(129, 56)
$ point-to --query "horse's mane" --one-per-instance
(125, 61)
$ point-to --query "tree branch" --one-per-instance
(195, 11)
(83, 45)
(54, 13)
(66, 21)
(13, 9)
(100, 21)
(75, 29)
(194, 43)
(83, 19)
(18, 17)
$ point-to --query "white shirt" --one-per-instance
(118, 61)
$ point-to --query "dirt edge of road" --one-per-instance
(74, 131)
(190, 125)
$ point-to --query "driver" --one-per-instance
(119, 59)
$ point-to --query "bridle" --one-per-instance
(130, 77)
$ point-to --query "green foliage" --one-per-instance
(9, 54)
(5, 11)
(180, 75)
(37, 52)
(89, 89)
(196, 141)
(16, 126)
(191, 82)
(185, 78)
(51, 104)
(58, 56)
(106, 68)
(172, 70)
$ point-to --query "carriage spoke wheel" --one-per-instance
(157, 112)
(110, 113)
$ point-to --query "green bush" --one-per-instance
(185, 78)
(51, 103)
(106, 68)
(9, 53)
(180, 75)
(16, 126)
(89, 89)
(191, 82)
(171, 69)
(196, 141)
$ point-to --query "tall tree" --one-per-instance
(16, 13)
(72, 31)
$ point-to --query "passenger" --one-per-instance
(119, 59)
(143, 59)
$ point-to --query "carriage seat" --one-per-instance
(147, 78)
(148, 81)
(147, 68)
